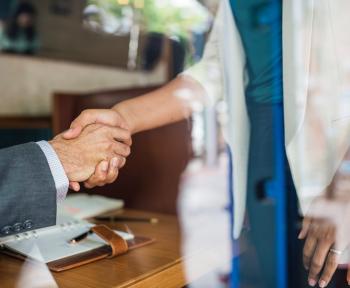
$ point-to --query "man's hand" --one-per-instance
(105, 172)
(96, 144)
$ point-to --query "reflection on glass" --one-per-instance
(35, 274)
(19, 34)
(205, 223)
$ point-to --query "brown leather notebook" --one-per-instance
(116, 246)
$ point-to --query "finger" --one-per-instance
(308, 251)
(348, 275)
(305, 228)
(318, 260)
(75, 186)
(113, 170)
(121, 135)
(329, 269)
(99, 176)
(121, 149)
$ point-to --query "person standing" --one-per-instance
(19, 34)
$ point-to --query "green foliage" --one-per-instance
(158, 16)
(108, 5)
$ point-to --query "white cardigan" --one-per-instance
(316, 92)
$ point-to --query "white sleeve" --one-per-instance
(57, 171)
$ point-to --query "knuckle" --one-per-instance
(88, 185)
(127, 150)
(312, 232)
(124, 135)
(101, 178)
(111, 180)
(329, 238)
(101, 184)
(112, 174)
(306, 261)
(310, 245)
(332, 262)
(122, 162)
(306, 258)
(128, 135)
(316, 265)
(307, 252)
(91, 183)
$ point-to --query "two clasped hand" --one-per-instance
(110, 142)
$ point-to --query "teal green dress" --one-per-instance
(259, 23)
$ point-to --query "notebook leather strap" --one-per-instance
(118, 244)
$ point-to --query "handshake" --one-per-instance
(94, 148)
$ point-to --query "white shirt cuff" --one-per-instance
(57, 171)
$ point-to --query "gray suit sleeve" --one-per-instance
(27, 190)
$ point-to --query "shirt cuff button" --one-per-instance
(17, 227)
(6, 230)
(28, 224)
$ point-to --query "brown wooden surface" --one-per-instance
(156, 265)
(25, 122)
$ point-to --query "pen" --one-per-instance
(80, 237)
(126, 219)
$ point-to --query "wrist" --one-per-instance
(126, 115)
(61, 153)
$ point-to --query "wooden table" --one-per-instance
(157, 265)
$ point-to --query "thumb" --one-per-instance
(92, 116)
(72, 132)
(75, 186)
(85, 118)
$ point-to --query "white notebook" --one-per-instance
(52, 243)
(83, 206)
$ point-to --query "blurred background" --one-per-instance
(60, 57)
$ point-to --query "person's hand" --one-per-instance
(325, 229)
(106, 117)
(96, 144)
(96, 116)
